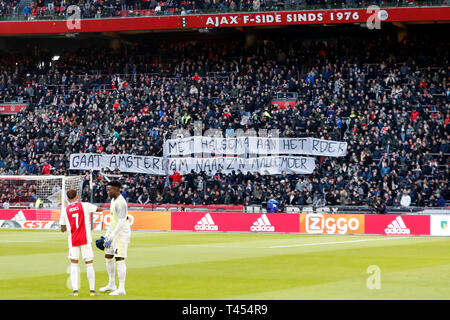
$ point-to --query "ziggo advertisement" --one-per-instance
(389, 224)
(139, 220)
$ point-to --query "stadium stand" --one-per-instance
(389, 100)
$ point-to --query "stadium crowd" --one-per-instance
(389, 101)
(111, 8)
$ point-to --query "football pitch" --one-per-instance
(235, 266)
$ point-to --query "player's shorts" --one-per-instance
(118, 249)
(85, 250)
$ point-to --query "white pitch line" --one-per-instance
(219, 246)
(11, 241)
(333, 242)
(295, 245)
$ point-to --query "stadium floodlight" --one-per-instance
(43, 191)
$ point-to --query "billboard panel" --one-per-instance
(332, 223)
(440, 225)
(397, 224)
(139, 220)
(234, 221)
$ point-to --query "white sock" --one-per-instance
(122, 273)
(90, 275)
(111, 270)
(74, 276)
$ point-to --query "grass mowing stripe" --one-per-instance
(295, 245)
(185, 266)
(334, 242)
(402, 284)
(227, 279)
(26, 266)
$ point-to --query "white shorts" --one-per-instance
(86, 252)
(118, 249)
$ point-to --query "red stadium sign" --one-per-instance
(227, 20)
(284, 104)
(19, 215)
(29, 214)
(235, 222)
(397, 224)
(8, 108)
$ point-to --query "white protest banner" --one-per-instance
(254, 145)
(263, 165)
(123, 162)
(295, 146)
(201, 144)
(161, 166)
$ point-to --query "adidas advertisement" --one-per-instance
(440, 225)
(194, 221)
(397, 227)
(29, 215)
(398, 224)
(18, 215)
(262, 224)
(235, 222)
(206, 223)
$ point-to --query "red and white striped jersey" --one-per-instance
(76, 218)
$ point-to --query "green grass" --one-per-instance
(185, 265)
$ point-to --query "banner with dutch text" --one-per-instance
(162, 166)
(254, 145)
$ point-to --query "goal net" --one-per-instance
(38, 192)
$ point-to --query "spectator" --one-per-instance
(144, 197)
(46, 168)
(176, 179)
(406, 199)
(51, 7)
(27, 12)
(256, 5)
(381, 207)
(157, 9)
(440, 202)
(272, 206)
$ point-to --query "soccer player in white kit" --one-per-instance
(75, 219)
(116, 242)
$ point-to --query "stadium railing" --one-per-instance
(183, 207)
(364, 209)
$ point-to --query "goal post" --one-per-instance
(38, 192)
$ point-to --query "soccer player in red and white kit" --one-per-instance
(75, 219)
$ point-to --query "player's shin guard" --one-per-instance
(91, 276)
(121, 273)
(74, 276)
(111, 269)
